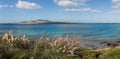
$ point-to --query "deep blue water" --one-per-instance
(87, 31)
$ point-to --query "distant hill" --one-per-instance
(39, 21)
(34, 22)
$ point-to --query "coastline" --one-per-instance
(106, 45)
(45, 47)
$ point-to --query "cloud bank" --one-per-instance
(5, 6)
(83, 10)
(116, 3)
(68, 3)
(74, 6)
(115, 7)
(27, 5)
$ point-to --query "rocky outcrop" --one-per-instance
(35, 22)
(110, 44)
(39, 21)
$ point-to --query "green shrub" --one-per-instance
(92, 55)
(84, 53)
(54, 49)
(18, 56)
(113, 53)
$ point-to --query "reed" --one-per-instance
(67, 47)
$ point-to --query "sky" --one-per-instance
(83, 11)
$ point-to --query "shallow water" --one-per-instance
(92, 32)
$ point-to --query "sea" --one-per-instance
(91, 33)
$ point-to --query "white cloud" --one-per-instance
(11, 6)
(115, 7)
(116, 3)
(115, 12)
(74, 6)
(68, 3)
(27, 5)
(3, 6)
(83, 10)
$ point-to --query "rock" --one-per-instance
(110, 44)
(118, 41)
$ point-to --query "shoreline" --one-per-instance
(105, 44)
(45, 47)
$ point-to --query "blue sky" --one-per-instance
(87, 11)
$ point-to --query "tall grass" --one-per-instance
(67, 47)
(55, 47)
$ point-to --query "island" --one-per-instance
(39, 21)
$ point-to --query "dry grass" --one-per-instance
(67, 47)
(44, 48)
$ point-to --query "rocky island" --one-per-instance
(39, 21)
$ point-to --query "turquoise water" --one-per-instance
(91, 31)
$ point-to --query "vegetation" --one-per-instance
(113, 53)
(50, 48)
